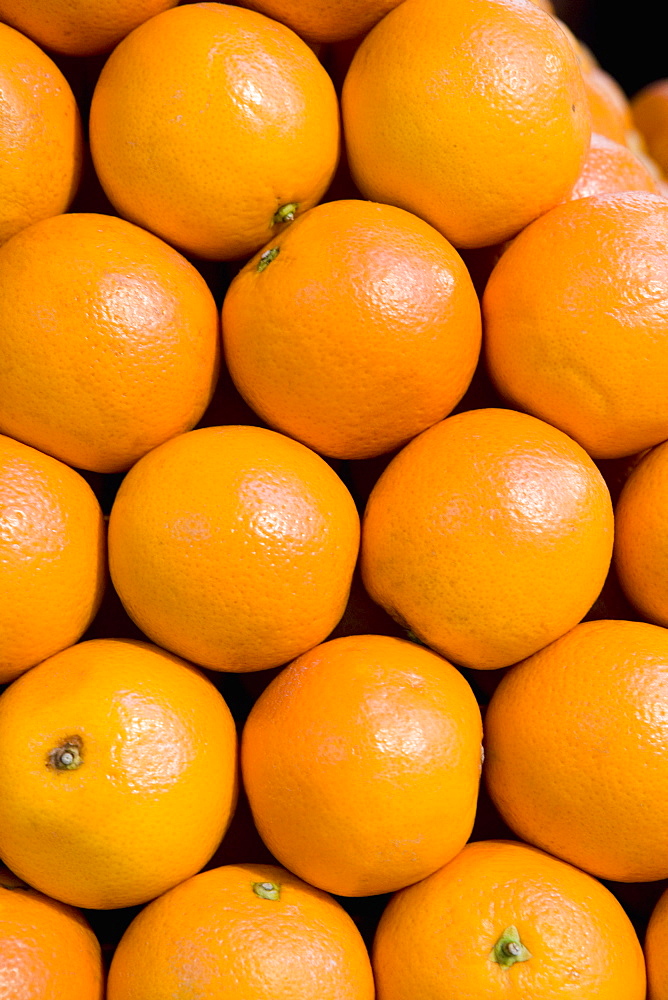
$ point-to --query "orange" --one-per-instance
(505, 920)
(126, 777)
(656, 950)
(41, 144)
(575, 316)
(472, 114)
(214, 126)
(641, 539)
(252, 932)
(52, 557)
(234, 547)
(571, 737)
(649, 113)
(611, 167)
(109, 341)
(489, 535)
(325, 20)
(361, 762)
(585, 56)
(79, 27)
(354, 330)
(47, 949)
(608, 104)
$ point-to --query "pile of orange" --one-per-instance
(333, 504)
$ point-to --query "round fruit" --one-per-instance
(641, 538)
(109, 341)
(656, 950)
(40, 135)
(52, 557)
(354, 330)
(608, 104)
(361, 761)
(489, 535)
(213, 126)
(234, 547)
(325, 20)
(472, 114)
(252, 932)
(117, 773)
(649, 112)
(506, 920)
(571, 739)
(79, 27)
(47, 949)
(611, 167)
(576, 321)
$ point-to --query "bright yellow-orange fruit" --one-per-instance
(361, 761)
(47, 949)
(611, 167)
(506, 920)
(641, 536)
(234, 546)
(79, 27)
(354, 330)
(608, 104)
(325, 20)
(571, 761)
(109, 341)
(575, 316)
(52, 556)
(213, 126)
(656, 950)
(472, 114)
(40, 135)
(489, 535)
(252, 932)
(126, 776)
(649, 112)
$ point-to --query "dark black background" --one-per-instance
(627, 39)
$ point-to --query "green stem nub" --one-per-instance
(286, 213)
(67, 756)
(267, 257)
(267, 890)
(509, 949)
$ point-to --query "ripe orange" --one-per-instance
(325, 20)
(354, 330)
(109, 340)
(52, 557)
(125, 780)
(649, 112)
(571, 749)
(361, 762)
(40, 135)
(489, 535)
(611, 167)
(505, 920)
(585, 56)
(575, 316)
(234, 547)
(47, 949)
(472, 114)
(608, 104)
(252, 932)
(641, 538)
(213, 126)
(656, 950)
(79, 27)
